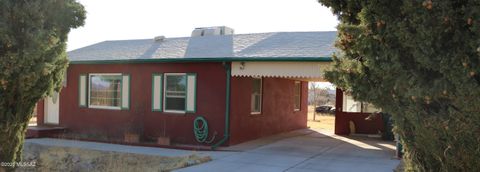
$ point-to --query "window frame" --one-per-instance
(299, 96)
(90, 91)
(65, 79)
(261, 98)
(164, 95)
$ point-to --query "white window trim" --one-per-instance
(295, 100)
(89, 91)
(65, 77)
(261, 97)
(165, 93)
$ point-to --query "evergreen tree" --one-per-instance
(420, 62)
(33, 35)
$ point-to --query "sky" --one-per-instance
(144, 19)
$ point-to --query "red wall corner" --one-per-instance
(277, 114)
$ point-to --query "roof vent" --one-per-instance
(208, 31)
(159, 38)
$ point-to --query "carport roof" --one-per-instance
(276, 46)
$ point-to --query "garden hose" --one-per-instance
(200, 129)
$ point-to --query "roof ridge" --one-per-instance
(183, 37)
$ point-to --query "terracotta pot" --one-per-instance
(131, 138)
(163, 140)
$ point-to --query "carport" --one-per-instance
(350, 115)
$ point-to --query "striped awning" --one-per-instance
(308, 71)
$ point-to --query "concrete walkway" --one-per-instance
(316, 151)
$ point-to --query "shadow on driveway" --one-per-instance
(306, 150)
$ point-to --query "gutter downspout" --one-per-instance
(226, 133)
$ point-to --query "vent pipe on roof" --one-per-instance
(159, 38)
(208, 31)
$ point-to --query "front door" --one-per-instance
(52, 109)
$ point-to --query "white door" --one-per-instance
(52, 109)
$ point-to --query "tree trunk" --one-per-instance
(12, 137)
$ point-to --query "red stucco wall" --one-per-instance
(114, 123)
(362, 126)
(277, 105)
(277, 109)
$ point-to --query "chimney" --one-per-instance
(209, 31)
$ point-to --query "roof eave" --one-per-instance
(226, 59)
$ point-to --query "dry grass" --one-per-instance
(322, 121)
(49, 158)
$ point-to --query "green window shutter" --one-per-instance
(82, 90)
(191, 102)
(157, 90)
(125, 92)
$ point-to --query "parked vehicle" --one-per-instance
(332, 111)
(323, 109)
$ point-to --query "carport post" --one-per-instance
(314, 100)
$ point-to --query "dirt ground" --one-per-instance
(322, 121)
(49, 158)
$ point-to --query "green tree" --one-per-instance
(420, 62)
(33, 35)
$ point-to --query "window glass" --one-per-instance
(297, 95)
(175, 92)
(256, 98)
(105, 90)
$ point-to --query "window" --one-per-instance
(175, 92)
(105, 91)
(256, 99)
(350, 105)
(297, 95)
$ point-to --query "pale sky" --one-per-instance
(144, 19)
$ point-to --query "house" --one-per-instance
(244, 86)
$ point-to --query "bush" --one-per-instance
(420, 62)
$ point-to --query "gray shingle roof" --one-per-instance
(278, 45)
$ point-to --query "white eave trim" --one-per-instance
(299, 70)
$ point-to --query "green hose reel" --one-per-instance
(200, 129)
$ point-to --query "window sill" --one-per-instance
(255, 113)
(296, 110)
(104, 107)
(174, 112)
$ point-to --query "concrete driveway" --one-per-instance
(307, 152)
